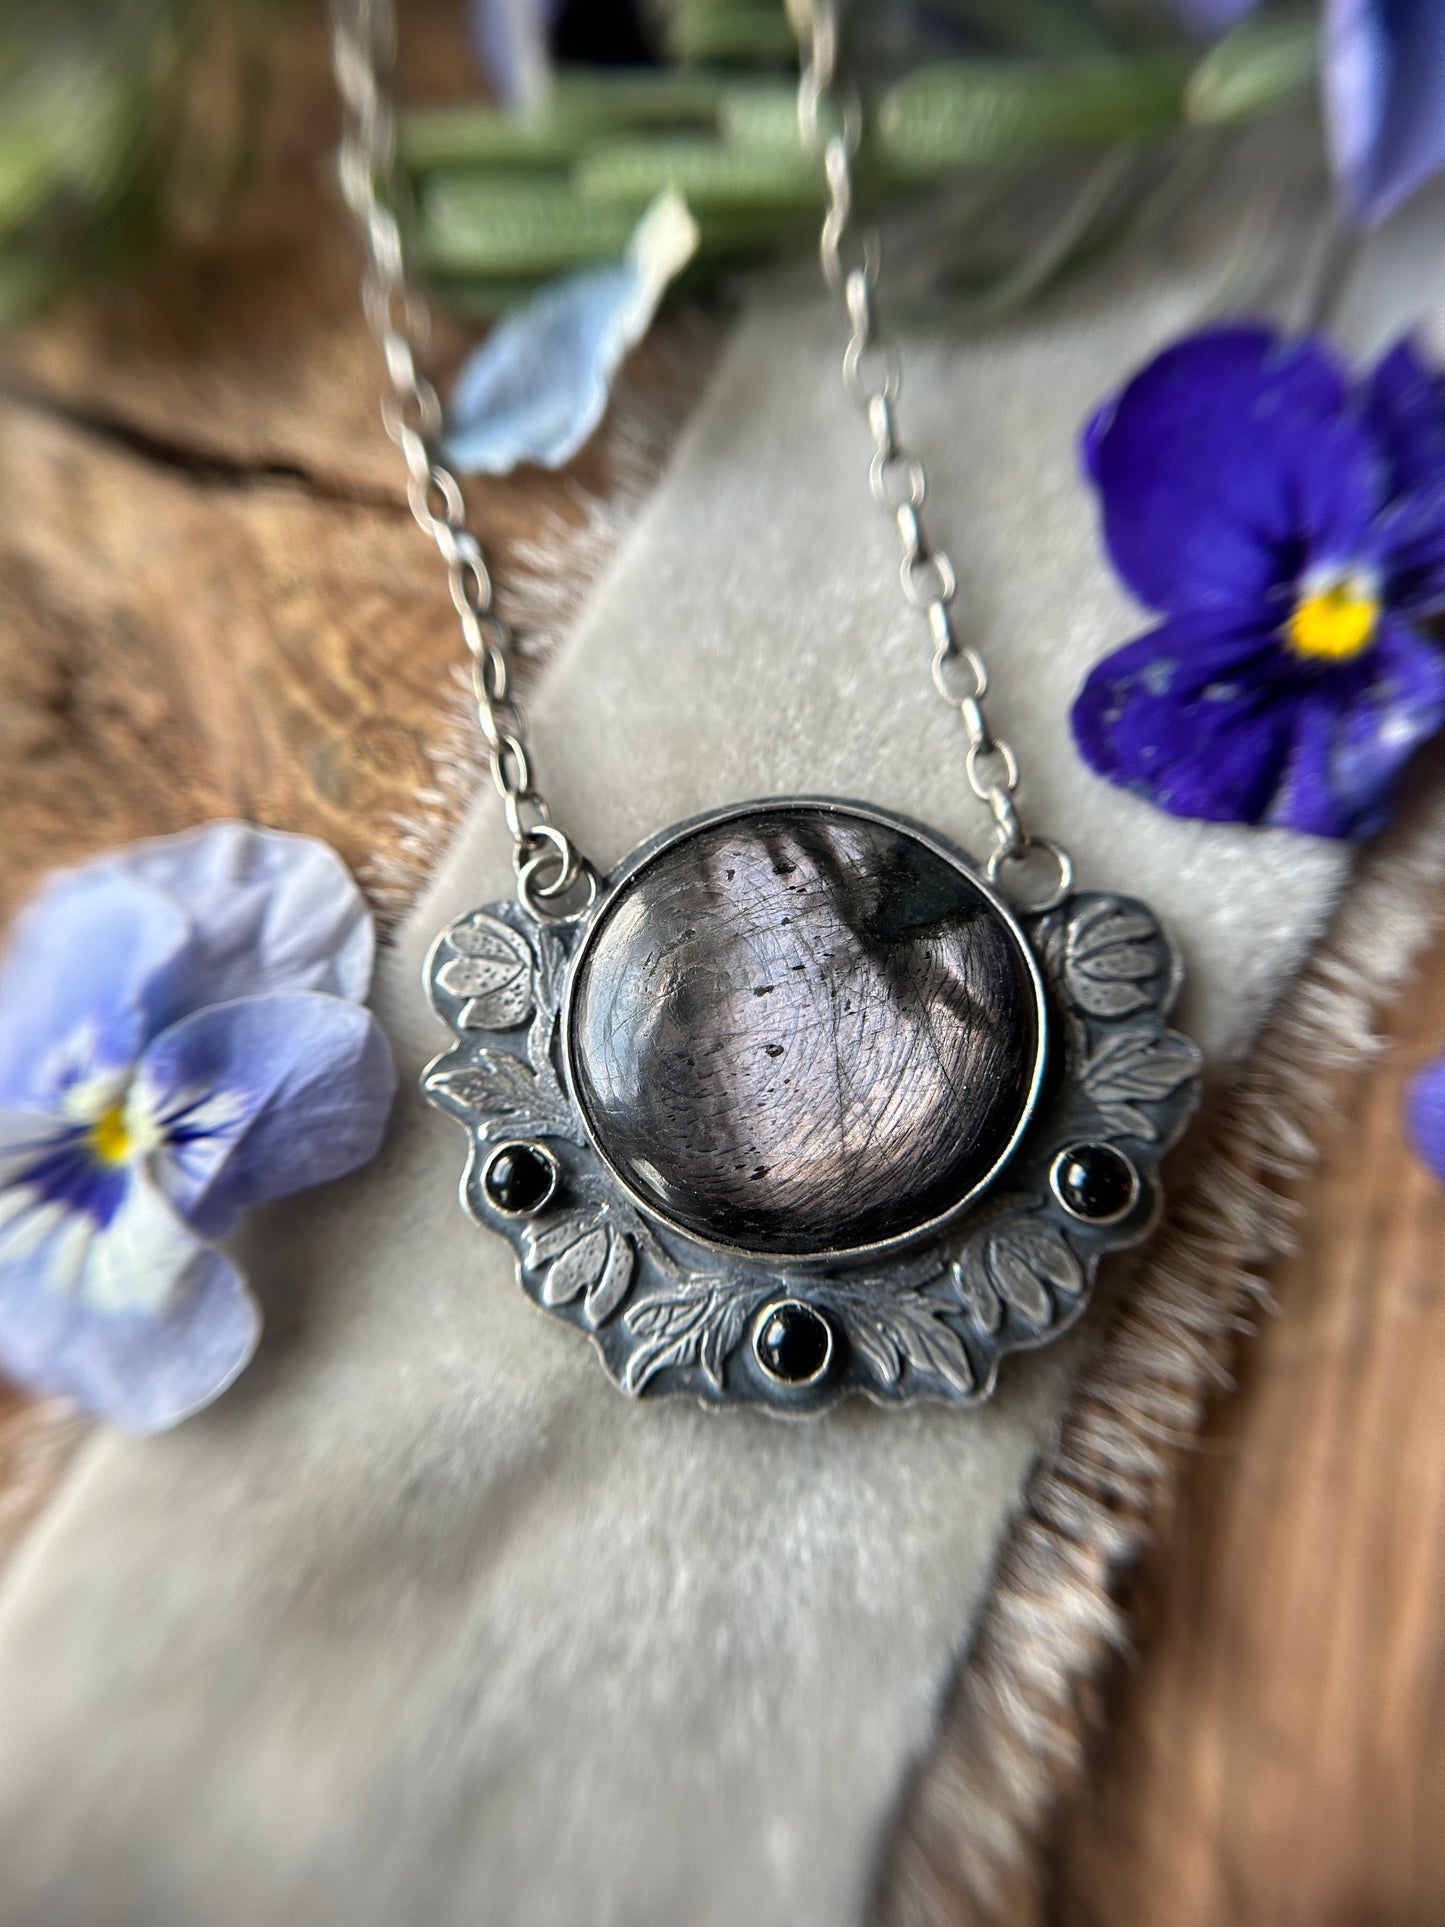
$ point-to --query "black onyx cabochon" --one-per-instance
(1095, 1182)
(800, 1030)
(793, 1342)
(520, 1179)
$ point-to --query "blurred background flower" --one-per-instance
(1290, 528)
(1425, 1114)
(1025, 142)
(181, 1037)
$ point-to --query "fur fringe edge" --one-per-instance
(549, 579)
(1015, 1727)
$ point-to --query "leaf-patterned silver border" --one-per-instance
(668, 1315)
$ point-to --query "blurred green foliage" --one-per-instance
(1028, 139)
(1021, 137)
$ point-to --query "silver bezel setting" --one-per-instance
(536, 1150)
(769, 1310)
(1112, 1217)
(635, 867)
(1007, 1269)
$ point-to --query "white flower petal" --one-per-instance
(137, 1261)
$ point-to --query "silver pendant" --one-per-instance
(802, 1106)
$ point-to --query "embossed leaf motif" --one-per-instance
(1018, 1265)
(504, 1097)
(493, 970)
(1139, 1067)
(909, 1328)
(697, 1325)
(581, 1256)
(1109, 959)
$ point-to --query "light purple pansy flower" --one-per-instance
(537, 387)
(1382, 74)
(181, 1036)
(1425, 1115)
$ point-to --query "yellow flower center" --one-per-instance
(110, 1135)
(1335, 621)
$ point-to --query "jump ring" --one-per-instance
(1061, 857)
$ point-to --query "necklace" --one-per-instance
(798, 1099)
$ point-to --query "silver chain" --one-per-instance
(550, 869)
(830, 122)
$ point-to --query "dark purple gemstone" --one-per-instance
(800, 1030)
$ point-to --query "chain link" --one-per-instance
(830, 124)
(549, 867)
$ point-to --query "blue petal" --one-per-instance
(270, 912)
(265, 1096)
(1350, 748)
(511, 40)
(1405, 407)
(1384, 85)
(1412, 538)
(1227, 466)
(538, 385)
(145, 1351)
(1187, 717)
(83, 982)
(48, 1162)
(1426, 1115)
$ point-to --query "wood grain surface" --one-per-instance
(215, 602)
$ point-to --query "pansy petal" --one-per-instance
(1348, 749)
(262, 1097)
(511, 39)
(1412, 537)
(271, 912)
(1384, 87)
(144, 1370)
(1229, 464)
(84, 972)
(1405, 407)
(1426, 1115)
(538, 385)
(1178, 716)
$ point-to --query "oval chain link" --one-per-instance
(830, 123)
(547, 862)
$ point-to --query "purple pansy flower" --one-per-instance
(181, 1036)
(1425, 1114)
(1290, 529)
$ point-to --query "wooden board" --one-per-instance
(216, 602)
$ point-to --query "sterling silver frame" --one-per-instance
(1007, 1268)
(634, 866)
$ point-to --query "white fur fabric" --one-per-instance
(425, 1623)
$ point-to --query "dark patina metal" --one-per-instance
(956, 1108)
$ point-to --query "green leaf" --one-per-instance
(583, 103)
(756, 31)
(708, 174)
(492, 226)
(1263, 65)
(974, 113)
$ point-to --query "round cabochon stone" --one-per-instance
(801, 1030)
